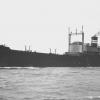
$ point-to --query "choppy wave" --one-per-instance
(55, 83)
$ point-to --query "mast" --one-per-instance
(50, 50)
(55, 51)
(29, 48)
(82, 39)
(25, 48)
(69, 38)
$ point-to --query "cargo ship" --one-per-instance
(79, 54)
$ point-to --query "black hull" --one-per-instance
(17, 58)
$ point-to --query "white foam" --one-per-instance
(94, 97)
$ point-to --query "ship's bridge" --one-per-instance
(76, 47)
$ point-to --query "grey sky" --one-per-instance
(43, 23)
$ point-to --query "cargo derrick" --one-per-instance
(79, 46)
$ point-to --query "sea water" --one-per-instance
(50, 83)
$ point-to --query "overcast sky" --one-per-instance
(43, 24)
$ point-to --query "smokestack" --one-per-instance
(94, 41)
